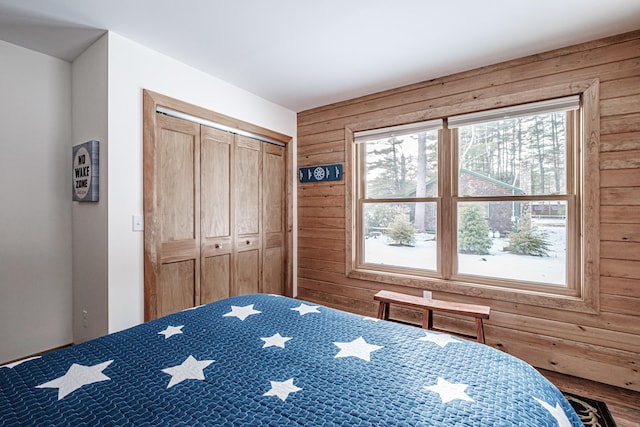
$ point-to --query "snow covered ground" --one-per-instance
(549, 269)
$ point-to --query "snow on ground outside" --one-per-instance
(549, 269)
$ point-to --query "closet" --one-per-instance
(215, 214)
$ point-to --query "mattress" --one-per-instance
(270, 360)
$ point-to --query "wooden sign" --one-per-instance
(85, 172)
(321, 173)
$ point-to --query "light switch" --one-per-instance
(138, 223)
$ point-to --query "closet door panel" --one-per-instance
(216, 278)
(273, 193)
(247, 272)
(216, 160)
(247, 186)
(177, 176)
(175, 228)
(176, 291)
(248, 216)
(273, 188)
(215, 170)
(273, 271)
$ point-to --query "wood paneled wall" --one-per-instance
(604, 347)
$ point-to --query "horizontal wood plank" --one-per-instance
(326, 147)
(621, 105)
(328, 188)
(317, 264)
(620, 87)
(321, 233)
(622, 141)
(620, 268)
(620, 250)
(611, 178)
(321, 159)
(626, 196)
(620, 214)
(317, 222)
(620, 159)
(321, 201)
(623, 123)
(322, 254)
(620, 304)
(620, 232)
(620, 287)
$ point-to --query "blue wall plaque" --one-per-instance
(321, 173)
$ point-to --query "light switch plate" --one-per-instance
(137, 223)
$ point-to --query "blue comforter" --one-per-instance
(270, 360)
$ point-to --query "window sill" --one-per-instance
(538, 298)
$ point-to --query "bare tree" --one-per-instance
(421, 185)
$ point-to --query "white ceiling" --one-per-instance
(306, 53)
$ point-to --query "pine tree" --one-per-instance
(473, 235)
(402, 231)
(528, 240)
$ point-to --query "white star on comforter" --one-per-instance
(441, 339)
(171, 331)
(306, 309)
(449, 391)
(190, 369)
(357, 348)
(275, 340)
(282, 389)
(76, 377)
(556, 412)
(19, 362)
(241, 312)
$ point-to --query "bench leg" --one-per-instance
(479, 330)
(383, 311)
(427, 319)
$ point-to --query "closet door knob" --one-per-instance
(218, 246)
(248, 242)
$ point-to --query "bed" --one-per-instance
(271, 360)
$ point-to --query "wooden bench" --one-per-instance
(429, 305)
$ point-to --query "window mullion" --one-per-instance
(446, 221)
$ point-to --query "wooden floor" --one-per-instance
(623, 404)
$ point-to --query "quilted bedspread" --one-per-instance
(271, 360)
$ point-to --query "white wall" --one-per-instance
(35, 201)
(59, 258)
(90, 219)
(132, 68)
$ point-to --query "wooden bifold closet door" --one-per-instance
(214, 215)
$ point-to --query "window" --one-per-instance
(488, 203)
(515, 197)
(398, 217)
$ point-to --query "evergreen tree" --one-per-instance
(528, 240)
(473, 235)
(402, 231)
